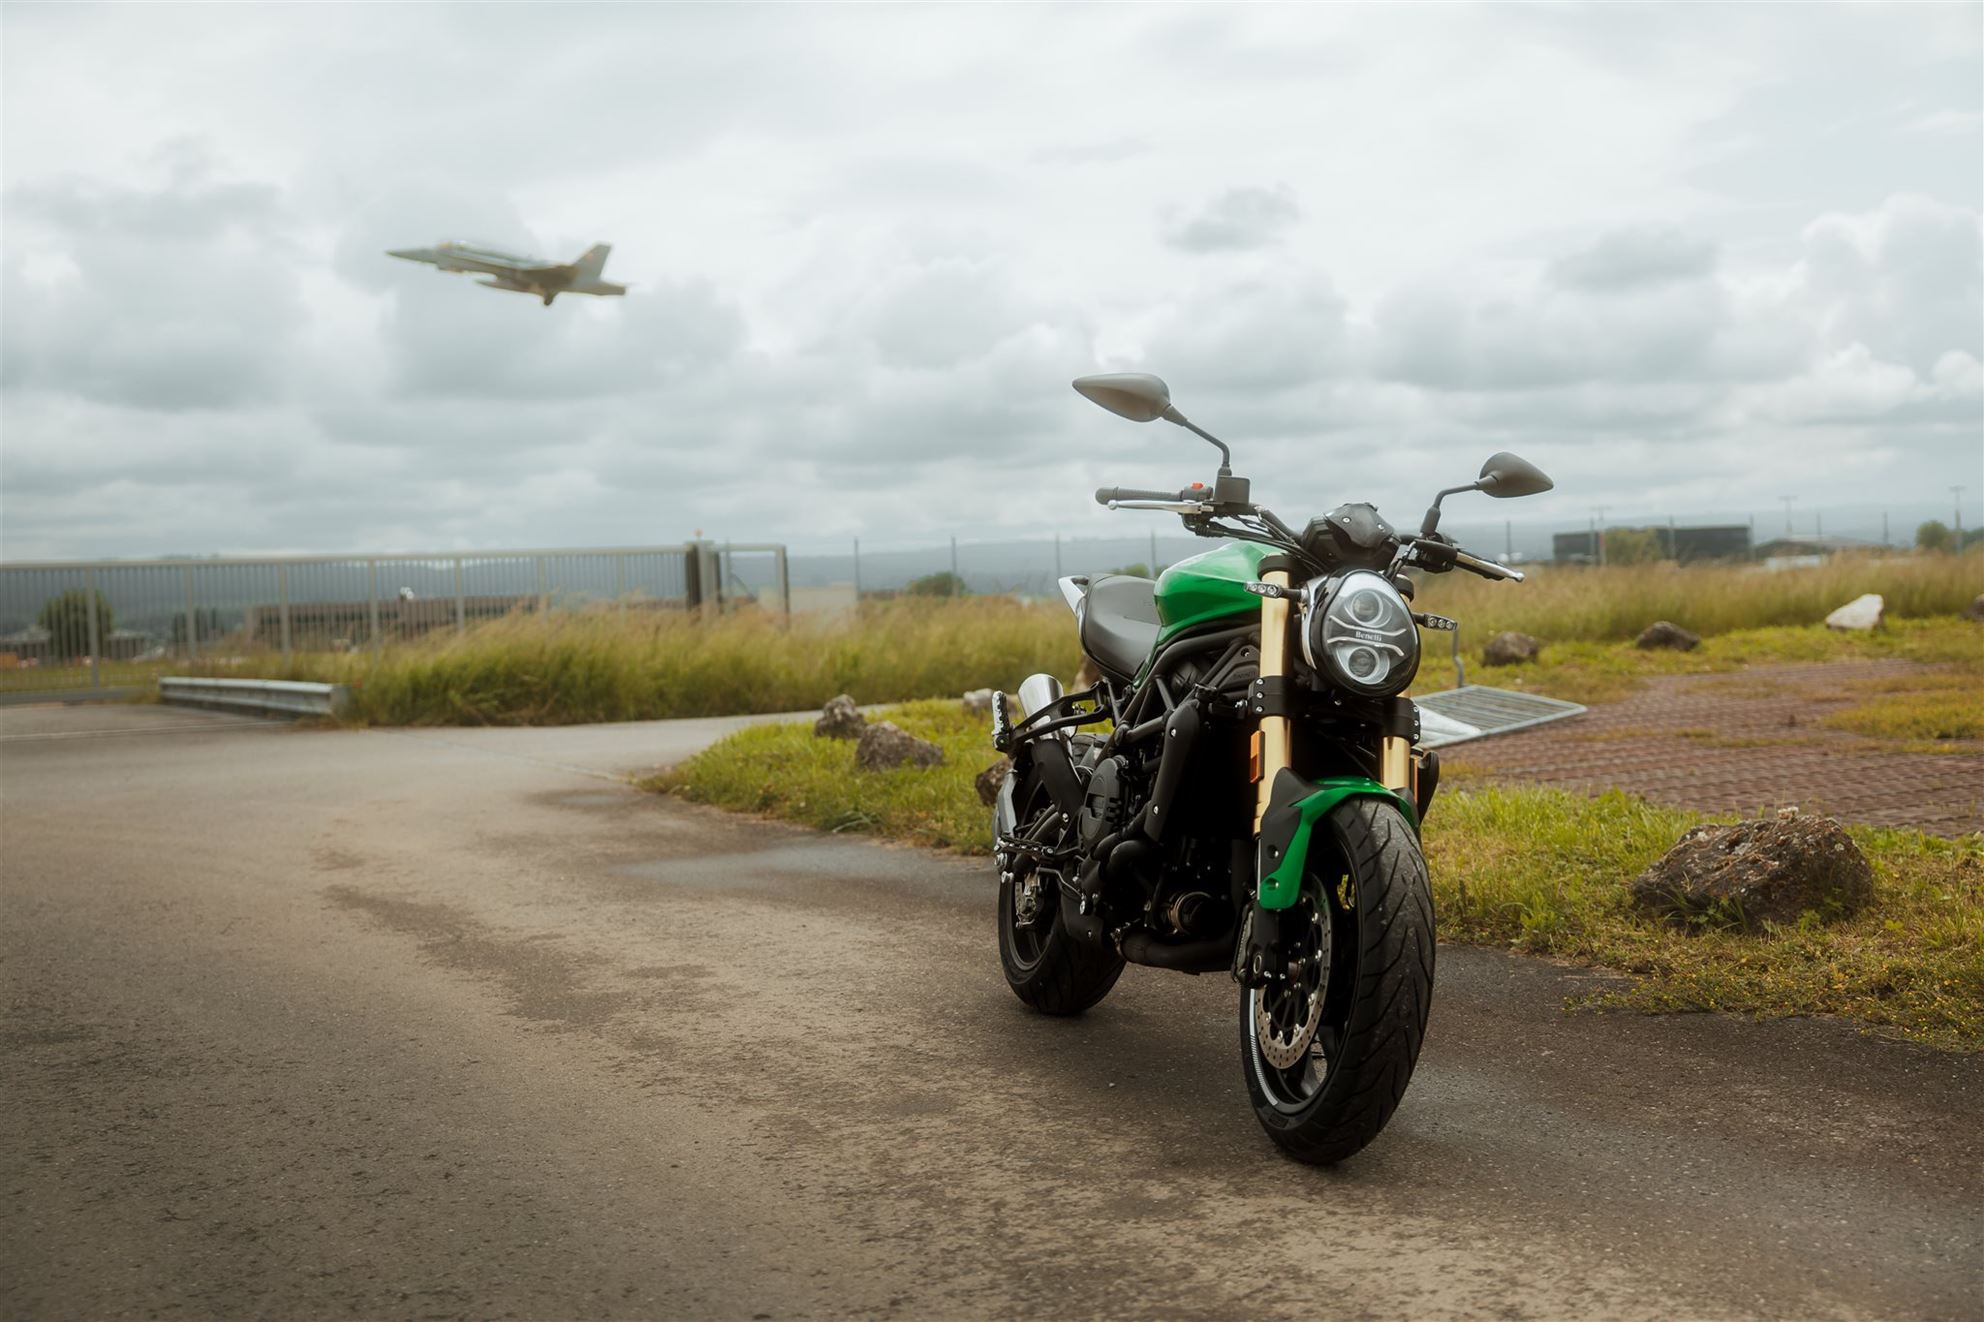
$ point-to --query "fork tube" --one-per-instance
(1275, 752)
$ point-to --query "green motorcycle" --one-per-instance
(1240, 787)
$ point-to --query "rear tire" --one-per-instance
(1067, 977)
(1046, 966)
(1379, 989)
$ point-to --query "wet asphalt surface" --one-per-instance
(454, 1024)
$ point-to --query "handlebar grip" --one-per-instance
(1103, 495)
(1486, 568)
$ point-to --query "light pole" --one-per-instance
(1598, 534)
(1787, 513)
(1957, 492)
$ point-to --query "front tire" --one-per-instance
(1366, 908)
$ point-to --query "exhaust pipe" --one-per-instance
(1051, 759)
(1037, 694)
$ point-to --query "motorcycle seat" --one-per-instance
(1119, 623)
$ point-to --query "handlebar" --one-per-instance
(1486, 568)
(1105, 495)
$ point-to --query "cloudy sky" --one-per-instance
(1685, 258)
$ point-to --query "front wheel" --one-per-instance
(1328, 1052)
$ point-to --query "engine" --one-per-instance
(1105, 802)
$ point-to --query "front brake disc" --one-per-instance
(1287, 1013)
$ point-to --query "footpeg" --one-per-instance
(1002, 723)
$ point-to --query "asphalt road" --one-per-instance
(452, 1025)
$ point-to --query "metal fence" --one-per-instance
(92, 624)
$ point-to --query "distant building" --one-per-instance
(1726, 541)
(1790, 552)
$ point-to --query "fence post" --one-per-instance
(784, 585)
(372, 602)
(282, 607)
(543, 585)
(712, 575)
(95, 628)
(461, 601)
(192, 621)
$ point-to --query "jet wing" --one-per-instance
(460, 257)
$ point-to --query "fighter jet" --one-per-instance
(525, 275)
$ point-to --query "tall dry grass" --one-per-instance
(1572, 604)
(567, 668)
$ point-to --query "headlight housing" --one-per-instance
(1358, 631)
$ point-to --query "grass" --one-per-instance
(1535, 870)
(1585, 671)
(784, 771)
(1563, 603)
(577, 666)
(573, 667)
(1543, 872)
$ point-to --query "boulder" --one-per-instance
(977, 701)
(1508, 649)
(1667, 634)
(886, 744)
(1859, 613)
(990, 779)
(840, 719)
(1975, 610)
(1086, 676)
(1766, 871)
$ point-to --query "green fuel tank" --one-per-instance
(1209, 587)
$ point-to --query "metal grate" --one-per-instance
(1475, 712)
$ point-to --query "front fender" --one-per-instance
(1294, 808)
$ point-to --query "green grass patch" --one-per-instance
(785, 771)
(1544, 872)
(1535, 870)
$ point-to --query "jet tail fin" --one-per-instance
(592, 261)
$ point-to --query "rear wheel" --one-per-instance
(1328, 1052)
(1045, 965)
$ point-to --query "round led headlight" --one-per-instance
(1359, 632)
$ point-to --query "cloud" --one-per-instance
(1238, 220)
(182, 295)
(1633, 259)
(868, 250)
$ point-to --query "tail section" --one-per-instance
(592, 262)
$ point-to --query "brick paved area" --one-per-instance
(1744, 742)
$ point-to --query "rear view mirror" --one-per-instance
(1138, 396)
(1506, 475)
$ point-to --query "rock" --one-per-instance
(1086, 677)
(1766, 871)
(886, 744)
(1975, 610)
(1665, 633)
(977, 700)
(990, 779)
(1507, 649)
(840, 719)
(1859, 613)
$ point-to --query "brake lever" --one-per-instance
(1167, 506)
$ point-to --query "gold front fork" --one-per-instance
(1274, 744)
(1395, 764)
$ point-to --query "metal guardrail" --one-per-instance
(284, 697)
